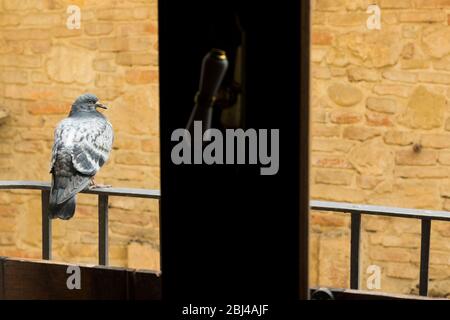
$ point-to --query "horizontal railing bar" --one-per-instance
(379, 210)
(26, 185)
(125, 192)
(118, 192)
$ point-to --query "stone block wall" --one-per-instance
(381, 135)
(44, 66)
(380, 129)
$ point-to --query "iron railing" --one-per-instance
(103, 196)
(357, 210)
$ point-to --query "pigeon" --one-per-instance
(83, 142)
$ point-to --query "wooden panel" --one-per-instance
(146, 285)
(2, 281)
(350, 294)
(24, 279)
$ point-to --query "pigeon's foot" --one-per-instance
(100, 186)
(93, 185)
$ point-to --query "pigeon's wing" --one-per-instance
(57, 144)
(92, 145)
(66, 180)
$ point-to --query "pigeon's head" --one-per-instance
(87, 102)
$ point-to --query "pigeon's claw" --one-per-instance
(93, 185)
(100, 186)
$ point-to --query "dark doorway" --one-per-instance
(227, 231)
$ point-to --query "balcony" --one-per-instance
(356, 211)
(27, 279)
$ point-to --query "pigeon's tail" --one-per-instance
(63, 210)
(63, 194)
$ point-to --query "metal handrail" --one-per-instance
(103, 198)
(356, 210)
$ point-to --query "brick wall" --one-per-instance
(381, 135)
(44, 66)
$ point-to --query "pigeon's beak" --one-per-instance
(99, 105)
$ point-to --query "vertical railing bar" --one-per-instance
(424, 256)
(159, 228)
(354, 249)
(103, 230)
(46, 226)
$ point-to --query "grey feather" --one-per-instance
(83, 142)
